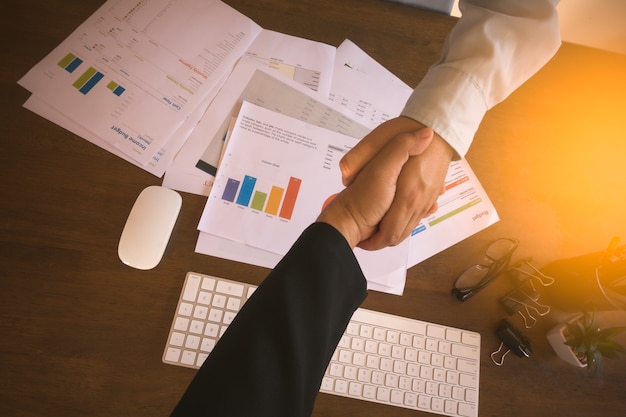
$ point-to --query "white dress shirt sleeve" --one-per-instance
(494, 48)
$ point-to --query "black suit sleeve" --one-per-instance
(271, 360)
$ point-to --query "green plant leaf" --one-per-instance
(596, 361)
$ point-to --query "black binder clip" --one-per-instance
(514, 340)
(524, 301)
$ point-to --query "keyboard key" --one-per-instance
(185, 309)
(357, 344)
(369, 392)
(200, 312)
(419, 386)
(350, 373)
(172, 354)
(208, 283)
(211, 330)
(371, 346)
(436, 404)
(393, 337)
(327, 384)
(215, 315)
(181, 324)
(192, 342)
(464, 351)
(366, 331)
(433, 330)
(432, 345)
(406, 339)
(380, 334)
(233, 304)
(196, 327)
(450, 407)
(207, 344)
(410, 400)
(397, 397)
(191, 288)
(467, 410)
(383, 394)
(229, 288)
(413, 369)
(470, 395)
(364, 375)
(453, 335)
(219, 301)
(352, 329)
(177, 339)
(188, 357)
(467, 380)
(423, 402)
(204, 298)
(200, 359)
(470, 339)
(464, 365)
(229, 316)
(359, 359)
(341, 386)
(355, 389)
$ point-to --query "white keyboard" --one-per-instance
(381, 358)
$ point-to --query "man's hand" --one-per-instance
(357, 211)
(420, 183)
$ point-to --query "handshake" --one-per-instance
(393, 178)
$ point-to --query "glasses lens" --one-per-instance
(500, 249)
(476, 277)
(471, 277)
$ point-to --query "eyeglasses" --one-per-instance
(478, 276)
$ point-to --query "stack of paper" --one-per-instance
(161, 83)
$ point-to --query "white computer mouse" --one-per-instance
(149, 227)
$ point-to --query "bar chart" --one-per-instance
(89, 78)
(276, 200)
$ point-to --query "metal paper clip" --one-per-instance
(543, 279)
(514, 340)
(525, 301)
(513, 307)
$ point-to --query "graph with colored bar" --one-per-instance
(278, 200)
(89, 78)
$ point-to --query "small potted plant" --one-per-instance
(581, 342)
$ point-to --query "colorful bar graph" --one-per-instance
(70, 62)
(115, 88)
(273, 203)
(258, 201)
(88, 80)
(286, 211)
(230, 191)
(245, 194)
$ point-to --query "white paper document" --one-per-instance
(304, 62)
(464, 209)
(276, 175)
(134, 73)
(194, 168)
(365, 87)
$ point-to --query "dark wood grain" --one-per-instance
(83, 335)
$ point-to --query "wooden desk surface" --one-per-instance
(82, 335)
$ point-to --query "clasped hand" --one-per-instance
(393, 178)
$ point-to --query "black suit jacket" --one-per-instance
(271, 360)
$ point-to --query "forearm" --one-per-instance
(494, 48)
(273, 356)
